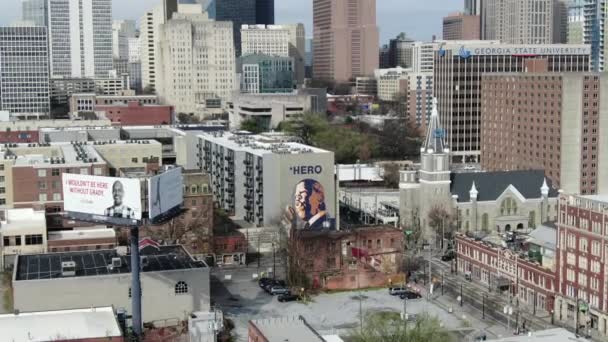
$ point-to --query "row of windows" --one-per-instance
(33, 239)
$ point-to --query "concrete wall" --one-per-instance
(159, 301)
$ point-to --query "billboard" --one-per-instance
(165, 192)
(102, 199)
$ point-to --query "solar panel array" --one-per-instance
(95, 263)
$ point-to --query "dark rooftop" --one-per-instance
(95, 263)
(491, 185)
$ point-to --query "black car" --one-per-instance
(288, 297)
(264, 281)
(410, 295)
(448, 256)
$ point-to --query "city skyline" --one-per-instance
(420, 20)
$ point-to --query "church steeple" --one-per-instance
(435, 135)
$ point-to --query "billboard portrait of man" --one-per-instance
(118, 209)
(309, 206)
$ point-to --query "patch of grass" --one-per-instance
(387, 315)
(8, 291)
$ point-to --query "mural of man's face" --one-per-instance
(117, 193)
(309, 199)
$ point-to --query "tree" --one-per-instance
(441, 220)
(192, 225)
(389, 327)
(398, 140)
(252, 125)
(149, 90)
(391, 175)
(184, 118)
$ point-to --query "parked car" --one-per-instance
(278, 290)
(272, 283)
(288, 297)
(410, 295)
(395, 291)
(448, 256)
(264, 281)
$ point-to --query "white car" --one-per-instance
(395, 291)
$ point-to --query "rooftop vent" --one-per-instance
(68, 268)
(116, 262)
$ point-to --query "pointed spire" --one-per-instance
(435, 135)
(473, 192)
(544, 189)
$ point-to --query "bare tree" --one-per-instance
(191, 226)
(391, 175)
(441, 221)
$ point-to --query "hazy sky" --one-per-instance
(420, 19)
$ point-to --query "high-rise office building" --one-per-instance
(400, 51)
(458, 70)
(576, 21)
(149, 25)
(264, 12)
(276, 40)
(198, 81)
(472, 7)
(80, 37)
(519, 21)
(34, 12)
(346, 39)
(24, 70)
(594, 31)
(262, 74)
(460, 26)
(555, 125)
(122, 31)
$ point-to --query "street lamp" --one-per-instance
(508, 310)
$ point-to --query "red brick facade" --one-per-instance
(26, 136)
(137, 114)
(506, 270)
(81, 244)
(363, 257)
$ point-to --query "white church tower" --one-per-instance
(428, 187)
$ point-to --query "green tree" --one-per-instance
(184, 118)
(398, 140)
(253, 126)
(389, 327)
(149, 90)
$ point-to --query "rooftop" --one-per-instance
(51, 153)
(293, 329)
(549, 335)
(77, 324)
(544, 236)
(258, 144)
(98, 233)
(95, 263)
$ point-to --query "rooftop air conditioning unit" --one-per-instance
(68, 268)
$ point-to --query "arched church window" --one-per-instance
(508, 207)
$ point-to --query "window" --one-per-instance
(84, 171)
(181, 287)
(2, 190)
(582, 263)
(41, 173)
(134, 160)
(18, 240)
(42, 185)
(55, 185)
(596, 248)
(595, 266)
(55, 172)
(485, 222)
(508, 207)
(571, 259)
(6, 241)
(582, 245)
(35, 239)
(56, 197)
(98, 171)
(42, 198)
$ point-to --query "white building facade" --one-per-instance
(196, 65)
(23, 231)
(80, 37)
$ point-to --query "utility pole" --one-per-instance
(483, 307)
(430, 275)
(577, 310)
(461, 294)
(274, 264)
(442, 283)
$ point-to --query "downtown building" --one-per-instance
(549, 121)
(346, 39)
(460, 26)
(201, 80)
(576, 21)
(24, 70)
(458, 74)
(523, 21)
(80, 38)
(261, 74)
(582, 250)
(254, 177)
(276, 40)
(595, 13)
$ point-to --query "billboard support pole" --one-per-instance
(135, 283)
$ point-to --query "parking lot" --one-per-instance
(241, 299)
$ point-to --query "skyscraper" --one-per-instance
(594, 31)
(576, 21)
(34, 12)
(198, 81)
(345, 39)
(518, 21)
(80, 37)
(24, 70)
(460, 26)
(400, 51)
(264, 12)
(472, 7)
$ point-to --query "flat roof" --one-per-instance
(293, 329)
(51, 154)
(64, 325)
(95, 263)
(549, 335)
(258, 144)
(97, 233)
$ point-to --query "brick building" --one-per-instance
(348, 259)
(293, 329)
(582, 251)
(81, 240)
(509, 271)
(459, 26)
(135, 113)
(549, 121)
